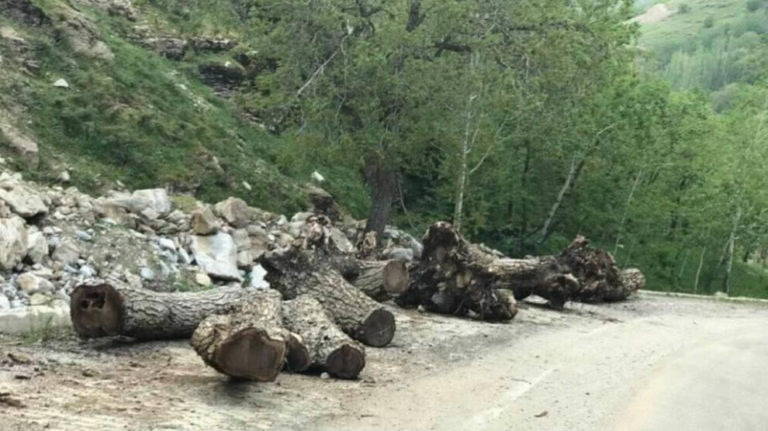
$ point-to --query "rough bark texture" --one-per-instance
(295, 271)
(458, 277)
(382, 280)
(382, 181)
(250, 342)
(108, 309)
(330, 349)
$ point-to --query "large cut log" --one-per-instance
(330, 349)
(295, 271)
(250, 342)
(455, 276)
(108, 309)
(382, 280)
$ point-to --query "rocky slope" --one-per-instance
(110, 91)
(54, 238)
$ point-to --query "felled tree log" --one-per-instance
(295, 271)
(330, 349)
(382, 280)
(250, 342)
(108, 309)
(455, 276)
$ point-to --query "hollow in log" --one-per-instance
(330, 349)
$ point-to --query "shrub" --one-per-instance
(753, 5)
(709, 22)
(684, 8)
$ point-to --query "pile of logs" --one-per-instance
(455, 276)
(324, 305)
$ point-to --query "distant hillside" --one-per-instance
(706, 44)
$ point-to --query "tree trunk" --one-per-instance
(295, 272)
(382, 180)
(457, 277)
(250, 342)
(101, 310)
(382, 280)
(330, 349)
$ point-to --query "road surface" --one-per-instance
(652, 363)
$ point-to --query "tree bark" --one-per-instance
(109, 309)
(458, 277)
(250, 342)
(330, 349)
(382, 280)
(382, 180)
(295, 272)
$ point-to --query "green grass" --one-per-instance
(145, 121)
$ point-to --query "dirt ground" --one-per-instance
(607, 367)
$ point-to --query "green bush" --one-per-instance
(709, 22)
(684, 8)
(753, 5)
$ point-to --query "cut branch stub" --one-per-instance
(294, 271)
(109, 309)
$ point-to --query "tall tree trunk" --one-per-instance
(731, 247)
(382, 180)
(698, 270)
(573, 172)
(627, 206)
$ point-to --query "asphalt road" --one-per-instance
(676, 364)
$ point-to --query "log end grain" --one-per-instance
(378, 328)
(251, 354)
(346, 362)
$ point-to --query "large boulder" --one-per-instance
(235, 211)
(67, 252)
(22, 199)
(13, 242)
(32, 284)
(155, 201)
(22, 145)
(203, 222)
(216, 255)
(37, 245)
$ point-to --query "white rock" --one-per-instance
(256, 276)
(83, 235)
(66, 252)
(23, 200)
(216, 255)
(341, 242)
(166, 243)
(32, 284)
(5, 304)
(13, 242)
(155, 199)
(317, 177)
(25, 320)
(61, 83)
(247, 186)
(64, 177)
(203, 279)
(37, 246)
(87, 272)
(244, 259)
(25, 147)
(147, 273)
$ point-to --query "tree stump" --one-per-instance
(295, 271)
(250, 342)
(330, 349)
(109, 309)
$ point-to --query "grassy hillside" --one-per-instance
(137, 117)
(708, 44)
